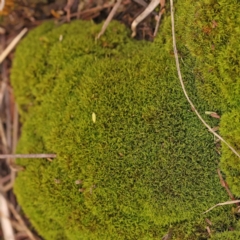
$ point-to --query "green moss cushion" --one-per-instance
(133, 161)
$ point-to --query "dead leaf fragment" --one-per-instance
(215, 128)
(120, 154)
(55, 14)
(212, 114)
(78, 181)
(208, 222)
(209, 231)
(81, 190)
(57, 181)
(214, 24)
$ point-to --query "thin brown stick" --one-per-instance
(12, 44)
(68, 9)
(109, 18)
(2, 4)
(183, 86)
(38, 155)
(222, 204)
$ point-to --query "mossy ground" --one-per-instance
(145, 166)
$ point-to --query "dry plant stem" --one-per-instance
(224, 184)
(68, 9)
(3, 136)
(5, 179)
(14, 140)
(222, 204)
(161, 12)
(41, 155)
(2, 4)
(157, 24)
(15, 128)
(14, 224)
(20, 236)
(183, 86)
(209, 231)
(7, 229)
(141, 2)
(153, 4)
(91, 10)
(12, 44)
(8, 120)
(2, 91)
(20, 221)
(8, 186)
(3, 75)
(109, 18)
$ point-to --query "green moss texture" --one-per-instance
(146, 166)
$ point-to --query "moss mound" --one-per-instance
(145, 165)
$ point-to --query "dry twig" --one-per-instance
(222, 204)
(183, 86)
(40, 155)
(12, 44)
(2, 4)
(109, 18)
(153, 4)
(68, 9)
(162, 10)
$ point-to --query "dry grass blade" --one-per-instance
(157, 24)
(141, 2)
(183, 86)
(2, 4)
(224, 184)
(3, 135)
(109, 18)
(15, 128)
(41, 155)
(2, 91)
(20, 221)
(68, 9)
(222, 204)
(153, 4)
(209, 231)
(12, 44)
(6, 224)
(162, 10)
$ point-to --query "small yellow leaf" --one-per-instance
(94, 117)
